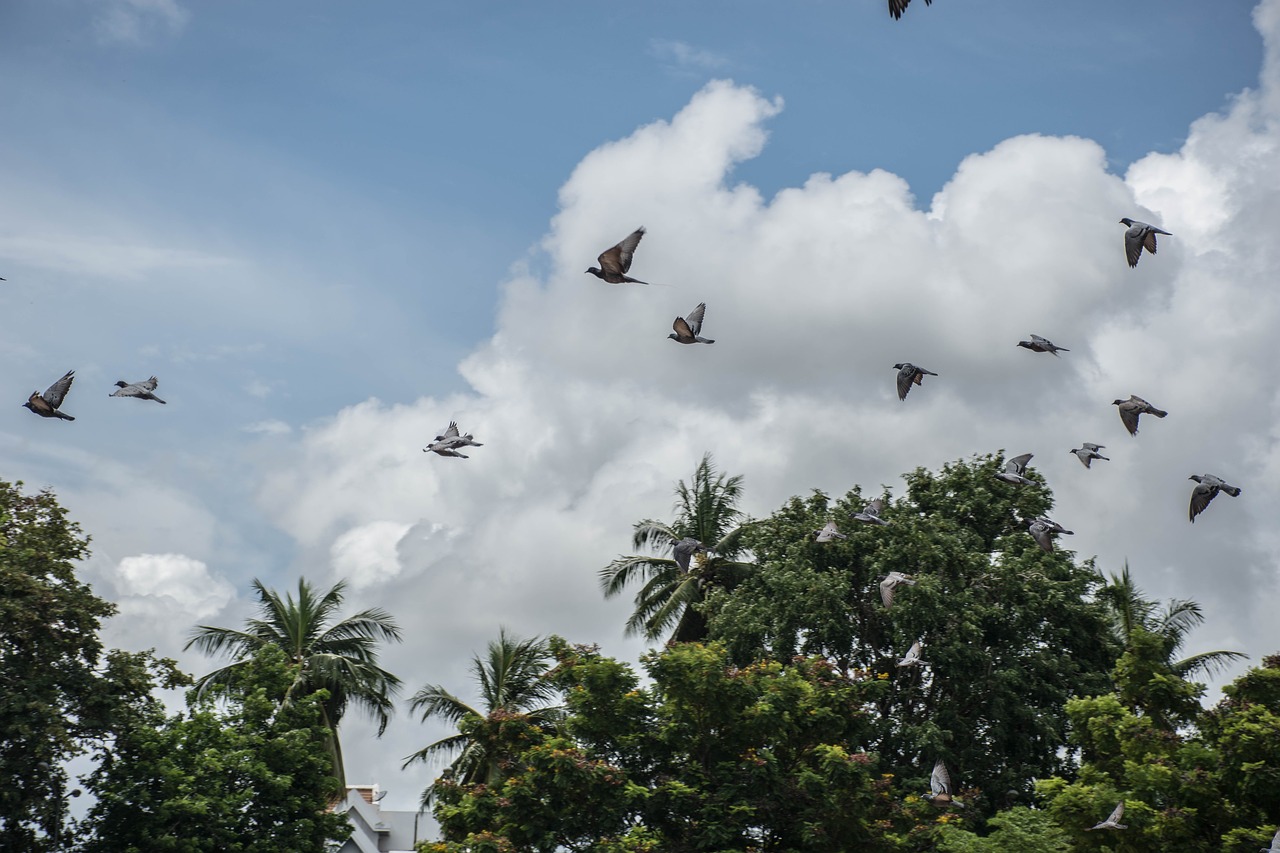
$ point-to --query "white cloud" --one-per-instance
(684, 57)
(269, 427)
(367, 555)
(176, 579)
(136, 22)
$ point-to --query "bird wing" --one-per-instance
(57, 392)
(149, 385)
(1150, 241)
(1044, 342)
(886, 590)
(1117, 814)
(1133, 245)
(452, 431)
(1040, 532)
(940, 779)
(695, 318)
(682, 329)
(1201, 495)
(1018, 464)
(1129, 417)
(905, 375)
(913, 653)
(1090, 446)
(618, 259)
(875, 507)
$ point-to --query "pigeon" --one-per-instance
(1043, 530)
(1039, 344)
(1140, 234)
(1112, 822)
(1131, 408)
(687, 328)
(890, 582)
(46, 405)
(940, 785)
(141, 390)
(1207, 488)
(684, 550)
(1088, 452)
(897, 7)
(444, 451)
(829, 533)
(908, 373)
(1275, 845)
(451, 440)
(1015, 469)
(615, 262)
(912, 657)
(871, 513)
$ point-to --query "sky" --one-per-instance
(330, 231)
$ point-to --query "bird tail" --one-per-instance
(1157, 413)
(1234, 491)
(631, 280)
(1108, 458)
(158, 400)
(58, 414)
(705, 341)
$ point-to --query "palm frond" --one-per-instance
(1207, 663)
(622, 571)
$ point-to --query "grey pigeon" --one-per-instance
(1131, 408)
(1275, 845)
(912, 657)
(908, 373)
(1088, 452)
(897, 7)
(1039, 344)
(688, 328)
(1207, 488)
(615, 262)
(940, 786)
(890, 583)
(451, 439)
(682, 552)
(1043, 530)
(444, 451)
(46, 405)
(1139, 235)
(1113, 822)
(829, 533)
(141, 390)
(1015, 470)
(871, 513)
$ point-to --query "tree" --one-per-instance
(706, 510)
(1130, 610)
(512, 685)
(339, 657)
(1010, 632)
(60, 693)
(254, 777)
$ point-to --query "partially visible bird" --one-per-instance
(1207, 488)
(1131, 408)
(46, 405)
(1139, 235)
(1015, 471)
(871, 513)
(829, 533)
(444, 451)
(912, 657)
(682, 552)
(141, 390)
(452, 439)
(1087, 452)
(908, 373)
(615, 262)
(897, 7)
(1039, 344)
(940, 785)
(1275, 845)
(1043, 530)
(1112, 822)
(688, 328)
(890, 583)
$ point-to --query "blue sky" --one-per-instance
(330, 231)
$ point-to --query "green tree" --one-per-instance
(1010, 632)
(253, 777)
(670, 598)
(61, 694)
(513, 687)
(339, 657)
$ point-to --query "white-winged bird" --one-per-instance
(1113, 822)
(141, 390)
(1015, 471)
(1139, 236)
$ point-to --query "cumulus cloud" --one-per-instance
(589, 414)
(136, 22)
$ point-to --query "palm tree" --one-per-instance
(706, 511)
(1130, 610)
(511, 681)
(340, 657)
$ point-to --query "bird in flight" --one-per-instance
(912, 657)
(890, 583)
(1139, 236)
(1039, 344)
(46, 405)
(688, 329)
(616, 262)
(1113, 822)
(1131, 408)
(1015, 470)
(448, 443)
(1087, 452)
(940, 786)
(897, 7)
(1043, 530)
(829, 533)
(908, 374)
(682, 552)
(871, 513)
(1207, 488)
(141, 390)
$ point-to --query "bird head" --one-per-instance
(1197, 478)
(593, 270)
(27, 405)
(898, 366)
(673, 336)
(1126, 221)
(120, 383)
(1117, 402)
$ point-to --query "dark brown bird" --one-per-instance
(46, 405)
(897, 7)
(615, 262)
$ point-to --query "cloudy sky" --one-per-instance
(329, 233)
